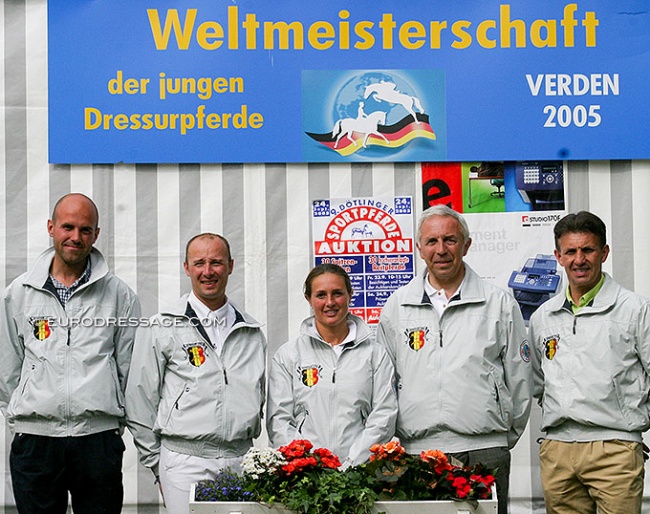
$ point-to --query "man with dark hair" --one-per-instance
(581, 222)
(461, 357)
(591, 355)
(63, 370)
(194, 402)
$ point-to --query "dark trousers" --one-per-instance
(44, 469)
(492, 458)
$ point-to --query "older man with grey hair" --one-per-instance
(461, 356)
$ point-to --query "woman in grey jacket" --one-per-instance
(333, 385)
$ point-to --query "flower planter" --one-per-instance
(420, 507)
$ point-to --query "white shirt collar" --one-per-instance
(438, 297)
(224, 313)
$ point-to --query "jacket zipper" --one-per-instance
(67, 383)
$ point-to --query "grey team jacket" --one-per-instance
(343, 403)
(185, 395)
(63, 371)
(592, 369)
(464, 380)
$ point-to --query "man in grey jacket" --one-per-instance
(591, 355)
(460, 353)
(194, 401)
(65, 345)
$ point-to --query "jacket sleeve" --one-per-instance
(643, 335)
(125, 337)
(536, 358)
(143, 392)
(385, 336)
(518, 371)
(380, 425)
(12, 348)
(280, 423)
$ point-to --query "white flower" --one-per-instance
(257, 461)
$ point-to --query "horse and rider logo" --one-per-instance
(370, 128)
(387, 92)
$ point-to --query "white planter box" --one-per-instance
(437, 507)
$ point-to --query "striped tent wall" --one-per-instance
(148, 212)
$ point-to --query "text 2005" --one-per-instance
(577, 116)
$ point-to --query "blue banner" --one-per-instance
(166, 81)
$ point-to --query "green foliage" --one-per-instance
(328, 492)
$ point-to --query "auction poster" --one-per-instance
(372, 239)
(511, 209)
(167, 81)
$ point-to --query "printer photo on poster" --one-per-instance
(511, 209)
(372, 239)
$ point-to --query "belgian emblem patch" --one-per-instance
(195, 354)
(42, 329)
(309, 375)
(551, 347)
(416, 337)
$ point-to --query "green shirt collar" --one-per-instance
(586, 298)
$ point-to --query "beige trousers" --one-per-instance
(579, 478)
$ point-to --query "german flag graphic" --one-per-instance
(389, 136)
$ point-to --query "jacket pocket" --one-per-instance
(632, 402)
(175, 404)
(502, 398)
(38, 393)
(21, 397)
(119, 395)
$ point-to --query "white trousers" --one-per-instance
(179, 471)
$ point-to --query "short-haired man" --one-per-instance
(591, 355)
(460, 353)
(195, 398)
(63, 370)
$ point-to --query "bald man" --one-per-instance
(66, 338)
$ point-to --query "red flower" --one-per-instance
(488, 480)
(461, 484)
(300, 458)
(296, 448)
(288, 468)
(327, 458)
